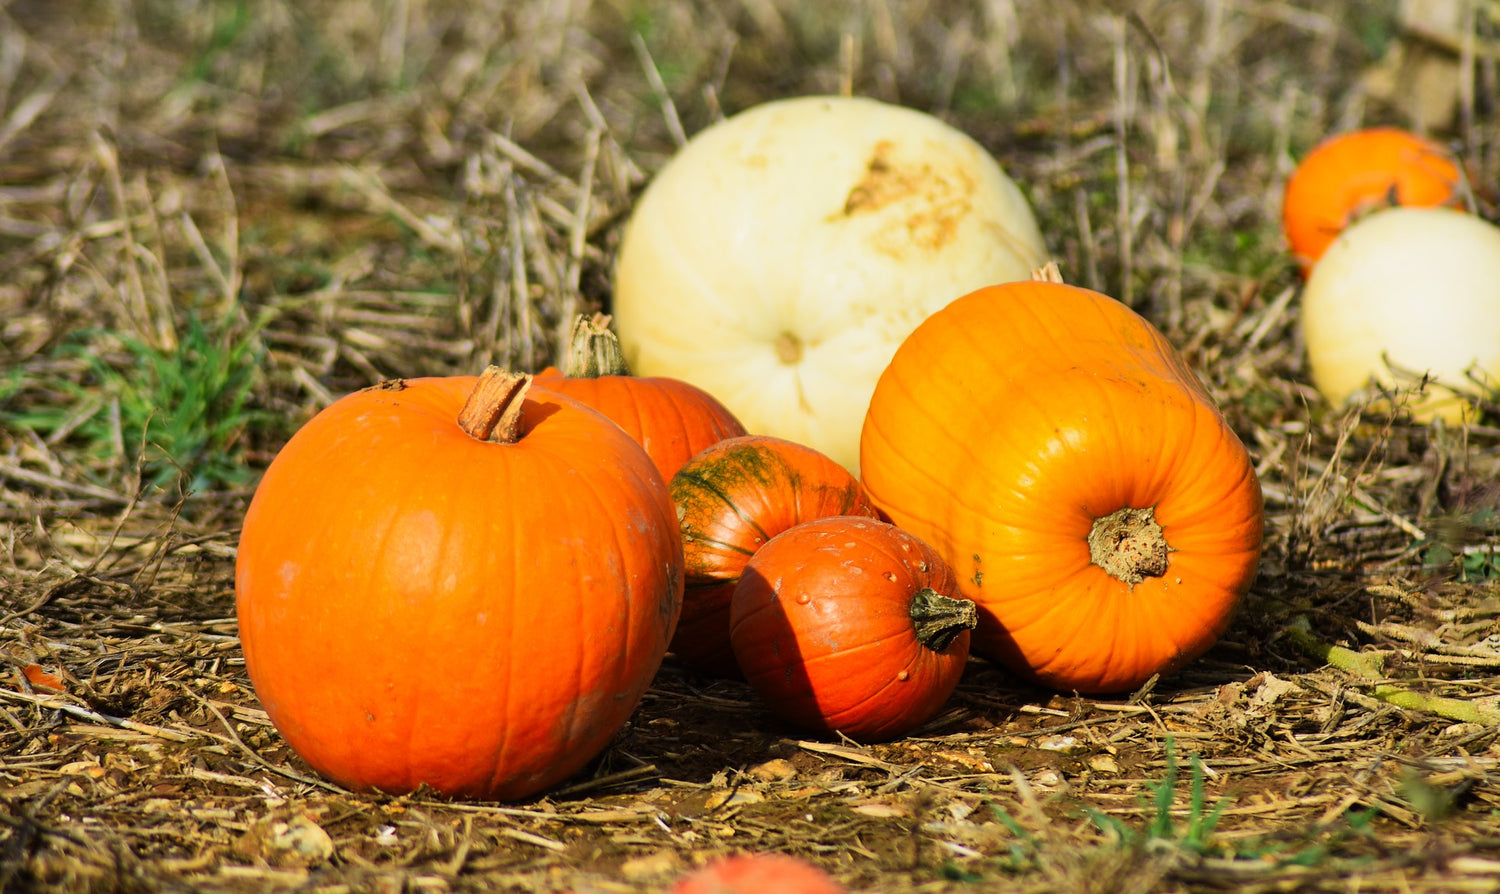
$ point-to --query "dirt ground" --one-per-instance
(216, 216)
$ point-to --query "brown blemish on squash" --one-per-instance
(1129, 545)
(938, 200)
(880, 186)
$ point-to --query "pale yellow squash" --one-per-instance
(1404, 294)
(779, 259)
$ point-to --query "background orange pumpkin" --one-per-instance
(851, 625)
(758, 873)
(1352, 174)
(425, 603)
(1056, 450)
(670, 418)
(731, 499)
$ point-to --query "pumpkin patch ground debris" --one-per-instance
(216, 219)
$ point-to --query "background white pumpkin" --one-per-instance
(1414, 289)
(783, 254)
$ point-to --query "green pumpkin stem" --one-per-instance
(938, 618)
(593, 350)
(493, 409)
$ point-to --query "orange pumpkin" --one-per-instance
(1350, 175)
(670, 418)
(731, 499)
(851, 625)
(1056, 450)
(456, 582)
(763, 873)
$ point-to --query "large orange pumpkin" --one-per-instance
(457, 583)
(731, 499)
(1350, 175)
(851, 625)
(1057, 451)
(671, 418)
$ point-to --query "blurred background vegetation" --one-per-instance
(218, 215)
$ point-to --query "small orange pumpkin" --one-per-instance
(758, 873)
(732, 498)
(461, 583)
(39, 678)
(1350, 175)
(670, 418)
(851, 625)
(1057, 451)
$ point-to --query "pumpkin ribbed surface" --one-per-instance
(1036, 434)
(731, 499)
(670, 418)
(420, 607)
(851, 625)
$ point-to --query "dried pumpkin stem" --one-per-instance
(938, 618)
(493, 410)
(1128, 544)
(1048, 272)
(593, 350)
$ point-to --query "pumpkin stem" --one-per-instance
(1048, 272)
(593, 350)
(940, 618)
(788, 349)
(1128, 544)
(493, 410)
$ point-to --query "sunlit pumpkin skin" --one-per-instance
(851, 625)
(423, 606)
(670, 418)
(764, 873)
(731, 499)
(1035, 433)
(1353, 174)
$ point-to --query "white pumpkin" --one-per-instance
(1402, 293)
(781, 257)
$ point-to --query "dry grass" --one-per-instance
(337, 192)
